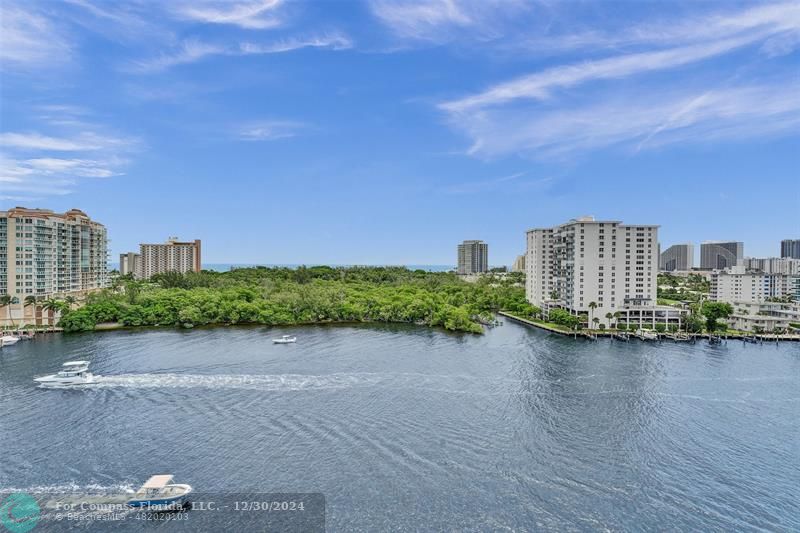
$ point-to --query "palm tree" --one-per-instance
(70, 300)
(31, 301)
(5, 301)
(592, 307)
(617, 314)
(595, 320)
(609, 316)
(51, 306)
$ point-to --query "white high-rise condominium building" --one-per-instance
(677, 257)
(734, 285)
(772, 265)
(45, 254)
(172, 256)
(606, 262)
(473, 257)
(720, 255)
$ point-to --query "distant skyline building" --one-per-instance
(473, 257)
(677, 257)
(519, 264)
(790, 248)
(128, 263)
(172, 256)
(44, 254)
(772, 265)
(720, 254)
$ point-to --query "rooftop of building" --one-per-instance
(39, 212)
(589, 219)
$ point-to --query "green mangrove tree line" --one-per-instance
(278, 296)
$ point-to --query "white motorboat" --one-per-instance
(286, 339)
(646, 335)
(158, 492)
(72, 373)
(8, 340)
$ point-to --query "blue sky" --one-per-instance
(379, 132)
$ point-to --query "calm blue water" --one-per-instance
(411, 429)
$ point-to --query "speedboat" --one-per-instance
(160, 493)
(72, 373)
(286, 339)
(8, 340)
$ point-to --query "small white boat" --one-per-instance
(73, 373)
(8, 340)
(158, 492)
(646, 335)
(286, 339)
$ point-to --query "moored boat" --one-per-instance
(8, 340)
(159, 492)
(646, 335)
(286, 339)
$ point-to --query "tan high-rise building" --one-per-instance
(519, 264)
(44, 254)
(473, 257)
(172, 256)
(128, 263)
(593, 267)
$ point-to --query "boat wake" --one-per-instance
(71, 488)
(294, 382)
(279, 382)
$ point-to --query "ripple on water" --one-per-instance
(515, 429)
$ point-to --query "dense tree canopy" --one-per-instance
(304, 295)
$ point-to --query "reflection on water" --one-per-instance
(412, 428)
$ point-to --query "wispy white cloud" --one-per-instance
(420, 20)
(83, 141)
(334, 41)
(560, 110)
(541, 84)
(251, 15)
(193, 50)
(640, 121)
(774, 18)
(439, 21)
(269, 130)
(54, 163)
(512, 181)
(189, 51)
(29, 40)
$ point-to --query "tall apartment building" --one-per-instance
(737, 284)
(606, 262)
(473, 257)
(720, 255)
(773, 265)
(790, 248)
(677, 257)
(519, 264)
(172, 256)
(43, 253)
(128, 263)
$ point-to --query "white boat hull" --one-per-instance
(171, 497)
(56, 381)
(8, 340)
